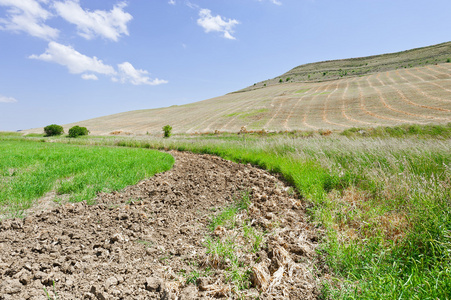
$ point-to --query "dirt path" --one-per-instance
(141, 242)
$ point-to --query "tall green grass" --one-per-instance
(29, 170)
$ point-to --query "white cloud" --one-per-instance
(76, 62)
(4, 99)
(108, 24)
(28, 16)
(128, 73)
(172, 2)
(216, 23)
(89, 77)
(276, 2)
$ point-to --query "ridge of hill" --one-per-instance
(336, 69)
(386, 92)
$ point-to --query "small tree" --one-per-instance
(53, 129)
(167, 131)
(77, 131)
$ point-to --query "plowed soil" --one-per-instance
(141, 242)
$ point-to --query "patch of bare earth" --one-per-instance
(142, 242)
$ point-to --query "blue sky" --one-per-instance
(63, 61)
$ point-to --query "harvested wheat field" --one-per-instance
(153, 241)
(417, 95)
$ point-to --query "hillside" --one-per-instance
(336, 69)
(386, 96)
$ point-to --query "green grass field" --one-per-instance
(384, 202)
(383, 199)
(30, 169)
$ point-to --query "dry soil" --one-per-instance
(144, 241)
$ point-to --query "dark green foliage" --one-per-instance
(77, 131)
(167, 131)
(53, 129)
(280, 80)
(288, 79)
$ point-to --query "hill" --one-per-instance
(407, 87)
(336, 69)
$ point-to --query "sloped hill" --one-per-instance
(385, 98)
(342, 68)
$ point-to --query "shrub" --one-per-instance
(167, 131)
(78, 131)
(53, 129)
(288, 79)
(280, 80)
(448, 60)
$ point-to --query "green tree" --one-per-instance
(77, 131)
(53, 129)
(167, 131)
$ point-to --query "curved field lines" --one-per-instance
(427, 81)
(417, 95)
(295, 110)
(348, 101)
(387, 110)
(438, 73)
(406, 97)
(312, 108)
(335, 107)
(421, 89)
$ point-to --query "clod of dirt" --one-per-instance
(141, 242)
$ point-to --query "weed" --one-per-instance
(54, 292)
(147, 244)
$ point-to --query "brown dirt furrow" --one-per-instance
(295, 107)
(326, 107)
(427, 81)
(382, 99)
(307, 111)
(444, 67)
(408, 101)
(363, 106)
(415, 87)
(141, 242)
(344, 107)
(440, 75)
(214, 117)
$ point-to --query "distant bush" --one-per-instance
(167, 131)
(77, 131)
(288, 79)
(53, 129)
(448, 60)
(281, 80)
